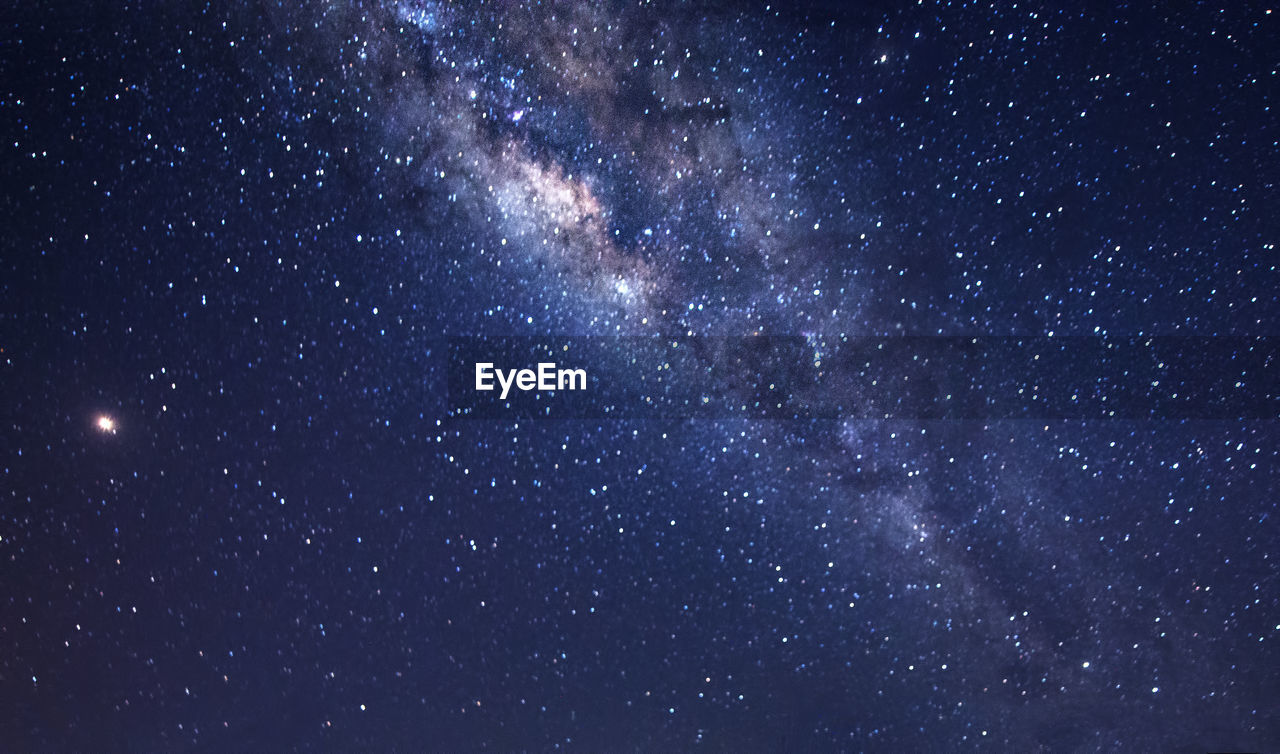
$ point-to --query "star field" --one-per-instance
(238, 510)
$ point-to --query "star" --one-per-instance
(106, 424)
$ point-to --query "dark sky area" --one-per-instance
(240, 511)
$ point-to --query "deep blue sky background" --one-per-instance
(244, 231)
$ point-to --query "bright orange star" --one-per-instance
(107, 424)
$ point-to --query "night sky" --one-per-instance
(240, 511)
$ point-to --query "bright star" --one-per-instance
(107, 424)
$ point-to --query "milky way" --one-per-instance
(242, 512)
